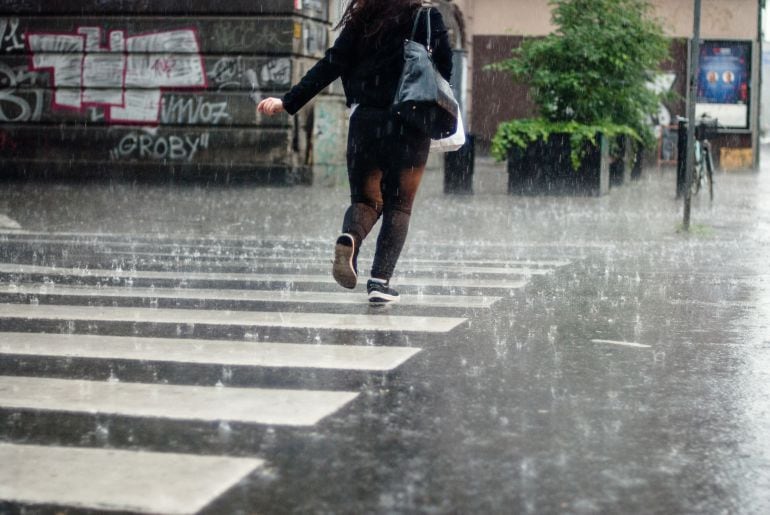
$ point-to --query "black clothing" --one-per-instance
(370, 71)
(379, 140)
(386, 159)
(383, 156)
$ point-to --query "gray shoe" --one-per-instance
(344, 269)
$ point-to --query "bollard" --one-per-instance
(458, 168)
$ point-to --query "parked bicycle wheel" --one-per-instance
(697, 179)
(697, 172)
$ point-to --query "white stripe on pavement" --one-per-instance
(623, 344)
(8, 223)
(201, 403)
(282, 296)
(116, 480)
(238, 318)
(278, 251)
(11, 268)
(213, 352)
(314, 256)
(224, 241)
(419, 264)
(290, 263)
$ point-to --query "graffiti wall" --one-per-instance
(152, 88)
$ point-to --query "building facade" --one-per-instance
(156, 89)
(731, 34)
(167, 88)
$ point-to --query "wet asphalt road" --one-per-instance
(620, 366)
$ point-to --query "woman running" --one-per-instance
(386, 159)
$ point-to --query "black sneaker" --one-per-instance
(344, 269)
(381, 292)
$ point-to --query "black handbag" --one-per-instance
(424, 99)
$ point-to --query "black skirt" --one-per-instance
(377, 140)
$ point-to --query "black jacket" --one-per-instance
(370, 72)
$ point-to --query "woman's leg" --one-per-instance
(365, 204)
(360, 217)
(364, 173)
(400, 192)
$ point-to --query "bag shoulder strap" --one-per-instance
(425, 10)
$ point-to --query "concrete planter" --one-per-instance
(545, 168)
(458, 168)
(622, 161)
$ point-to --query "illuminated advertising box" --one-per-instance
(724, 74)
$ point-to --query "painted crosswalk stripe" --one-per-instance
(225, 241)
(212, 352)
(117, 480)
(275, 250)
(237, 242)
(502, 264)
(321, 256)
(200, 403)
(280, 296)
(10, 268)
(9, 224)
(623, 344)
(388, 323)
(325, 264)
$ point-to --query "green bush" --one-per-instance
(523, 132)
(591, 73)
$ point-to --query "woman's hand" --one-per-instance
(271, 106)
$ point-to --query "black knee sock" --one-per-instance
(395, 225)
(359, 220)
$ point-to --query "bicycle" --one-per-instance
(703, 172)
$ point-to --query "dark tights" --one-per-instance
(391, 199)
(386, 161)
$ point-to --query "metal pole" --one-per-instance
(694, 61)
(757, 121)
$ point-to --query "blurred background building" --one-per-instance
(166, 88)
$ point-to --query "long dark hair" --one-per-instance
(374, 18)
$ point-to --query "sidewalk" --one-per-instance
(644, 211)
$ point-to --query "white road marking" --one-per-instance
(116, 480)
(11, 268)
(8, 223)
(237, 318)
(324, 264)
(623, 344)
(201, 403)
(313, 257)
(213, 352)
(281, 296)
(225, 241)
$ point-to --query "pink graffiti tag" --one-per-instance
(127, 76)
(6, 141)
(164, 66)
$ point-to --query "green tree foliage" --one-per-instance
(595, 67)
